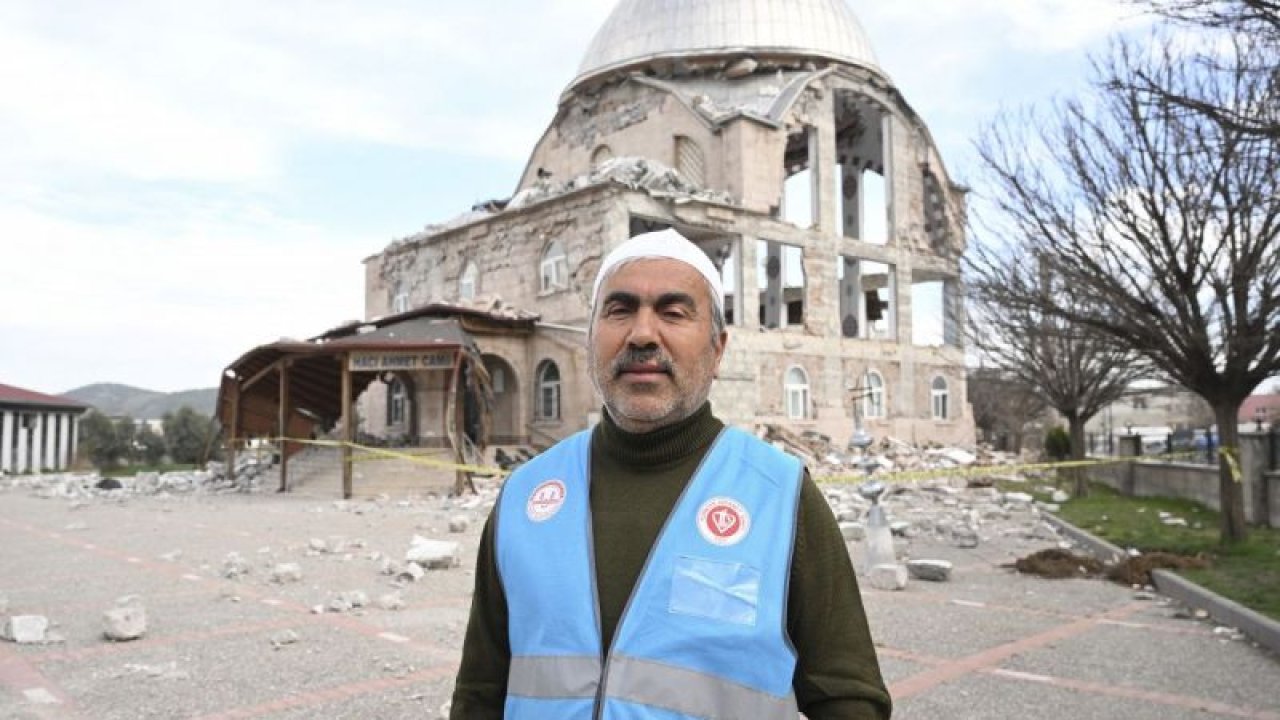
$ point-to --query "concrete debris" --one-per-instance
(635, 173)
(459, 524)
(434, 554)
(346, 601)
(233, 566)
(391, 601)
(888, 577)
(1018, 498)
(286, 573)
(122, 624)
(412, 572)
(852, 531)
(26, 629)
(165, 671)
(284, 637)
(931, 570)
(317, 545)
(1060, 497)
(87, 486)
(964, 537)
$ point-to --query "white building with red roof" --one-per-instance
(37, 432)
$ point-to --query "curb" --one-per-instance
(1258, 627)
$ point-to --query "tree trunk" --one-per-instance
(1080, 479)
(1230, 490)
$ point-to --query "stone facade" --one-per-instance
(712, 150)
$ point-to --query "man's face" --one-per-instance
(653, 356)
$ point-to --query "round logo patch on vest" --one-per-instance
(545, 501)
(723, 521)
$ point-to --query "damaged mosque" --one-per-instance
(766, 132)
(712, 117)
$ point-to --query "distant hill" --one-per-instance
(116, 399)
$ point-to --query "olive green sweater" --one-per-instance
(636, 480)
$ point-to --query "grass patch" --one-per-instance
(1248, 572)
(131, 470)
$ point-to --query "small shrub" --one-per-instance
(1057, 443)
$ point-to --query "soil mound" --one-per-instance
(1058, 564)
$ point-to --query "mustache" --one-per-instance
(640, 356)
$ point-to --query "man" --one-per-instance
(661, 565)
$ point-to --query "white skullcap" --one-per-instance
(664, 244)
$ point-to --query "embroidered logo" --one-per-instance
(545, 501)
(723, 521)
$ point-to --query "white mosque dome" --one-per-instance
(639, 31)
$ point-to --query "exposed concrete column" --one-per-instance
(823, 164)
(23, 434)
(749, 290)
(75, 440)
(51, 440)
(6, 442)
(894, 187)
(64, 441)
(37, 442)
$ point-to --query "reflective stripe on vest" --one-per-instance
(645, 682)
(703, 633)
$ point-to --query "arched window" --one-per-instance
(468, 282)
(940, 395)
(554, 268)
(547, 403)
(601, 154)
(397, 402)
(873, 401)
(797, 391)
(399, 297)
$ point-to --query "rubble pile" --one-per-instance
(78, 486)
(635, 173)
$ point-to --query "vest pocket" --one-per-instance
(725, 591)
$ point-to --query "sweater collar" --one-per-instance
(663, 446)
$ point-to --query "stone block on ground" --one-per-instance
(124, 623)
(852, 531)
(459, 524)
(887, 577)
(391, 601)
(286, 573)
(433, 554)
(931, 570)
(964, 536)
(26, 629)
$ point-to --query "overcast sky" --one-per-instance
(180, 182)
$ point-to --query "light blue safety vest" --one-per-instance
(704, 632)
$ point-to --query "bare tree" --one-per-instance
(1072, 367)
(1002, 404)
(1162, 225)
(1252, 28)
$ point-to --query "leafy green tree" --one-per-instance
(186, 435)
(101, 440)
(150, 445)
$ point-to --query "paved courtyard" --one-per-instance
(987, 644)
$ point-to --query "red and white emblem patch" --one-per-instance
(545, 500)
(723, 521)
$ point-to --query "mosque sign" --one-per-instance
(400, 361)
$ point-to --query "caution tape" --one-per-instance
(1233, 463)
(376, 453)
(370, 453)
